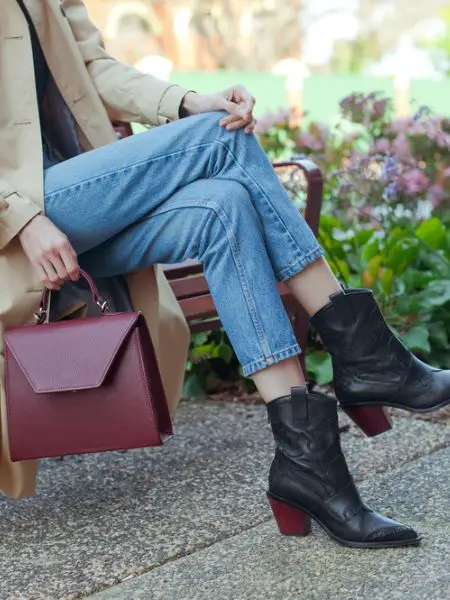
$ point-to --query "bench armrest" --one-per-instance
(314, 180)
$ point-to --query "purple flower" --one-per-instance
(270, 120)
(390, 191)
(382, 145)
(389, 169)
(401, 125)
(347, 101)
(414, 182)
(379, 108)
(401, 146)
(309, 141)
(435, 194)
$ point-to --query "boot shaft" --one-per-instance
(354, 331)
(308, 450)
(304, 423)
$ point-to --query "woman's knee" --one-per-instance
(231, 198)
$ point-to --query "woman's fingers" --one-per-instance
(59, 267)
(248, 101)
(69, 258)
(51, 279)
(233, 123)
(49, 251)
(251, 128)
(230, 120)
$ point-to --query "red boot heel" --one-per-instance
(291, 521)
(372, 420)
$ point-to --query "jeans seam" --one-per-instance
(238, 262)
(129, 168)
(261, 192)
(243, 280)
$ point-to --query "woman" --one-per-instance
(198, 187)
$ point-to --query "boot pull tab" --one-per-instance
(299, 397)
(343, 308)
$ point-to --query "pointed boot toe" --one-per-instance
(393, 534)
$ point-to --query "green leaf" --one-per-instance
(417, 339)
(194, 386)
(205, 351)
(438, 335)
(432, 233)
(328, 223)
(402, 254)
(319, 367)
(224, 351)
(437, 293)
(371, 249)
(386, 281)
(416, 280)
(362, 237)
(198, 339)
(408, 305)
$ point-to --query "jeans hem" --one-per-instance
(300, 264)
(267, 361)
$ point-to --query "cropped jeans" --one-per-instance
(191, 189)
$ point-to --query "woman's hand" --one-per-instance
(236, 100)
(50, 252)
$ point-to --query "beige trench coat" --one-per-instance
(96, 89)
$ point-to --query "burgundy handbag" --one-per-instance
(83, 385)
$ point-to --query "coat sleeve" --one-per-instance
(15, 212)
(127, 94)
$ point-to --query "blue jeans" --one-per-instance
(191, 189)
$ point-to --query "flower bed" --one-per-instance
(385, 224)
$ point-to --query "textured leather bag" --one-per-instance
(86, 385)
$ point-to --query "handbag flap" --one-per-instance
(69, 355)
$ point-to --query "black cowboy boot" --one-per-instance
(309, 477)
(372, 368)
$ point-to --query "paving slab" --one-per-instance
(99, 519)
(261, 564)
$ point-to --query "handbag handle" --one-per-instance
(41, 314)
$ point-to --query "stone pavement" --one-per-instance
(190, 521)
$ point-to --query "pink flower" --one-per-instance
(435, 194)
(379, 108)
(401, 125)
(309, 141)
(400, 146)
(414, 182)
(382, 145)
(442, 139)
(446, 173)
(271, 119)
(347, 101)
(432, 127)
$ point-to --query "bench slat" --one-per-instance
(189, 286)
(202, 306)
(189, 267)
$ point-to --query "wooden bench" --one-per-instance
(189, 284)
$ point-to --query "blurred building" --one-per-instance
(234, 34)
(134, 29)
